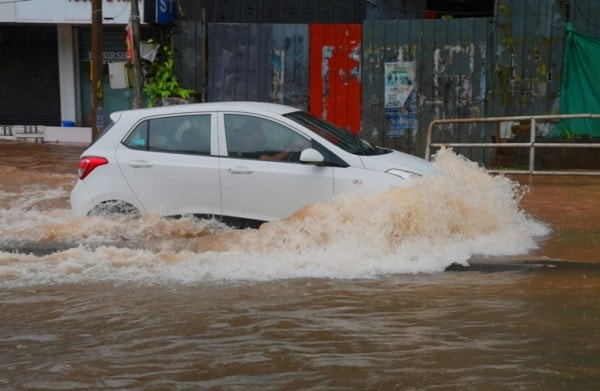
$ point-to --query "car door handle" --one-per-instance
(240, 170)
(140, 164)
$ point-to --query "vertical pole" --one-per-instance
(97, 119)
(138, 80)
(204, 79)
(532, 147)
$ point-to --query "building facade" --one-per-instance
(395, 65)
(45, 72)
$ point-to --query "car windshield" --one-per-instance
(342, 138)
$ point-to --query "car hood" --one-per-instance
(398, 160)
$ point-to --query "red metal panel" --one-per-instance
(335, 86)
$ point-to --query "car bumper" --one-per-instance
(81, 200)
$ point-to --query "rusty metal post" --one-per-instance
(97, 119)
(138, 81)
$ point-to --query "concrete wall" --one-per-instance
(80, 135)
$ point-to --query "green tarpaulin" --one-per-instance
(580, 89)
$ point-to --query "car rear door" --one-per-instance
(259, 189)
(179, 176)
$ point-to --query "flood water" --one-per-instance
(458, 281)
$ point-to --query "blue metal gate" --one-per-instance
(259, 62)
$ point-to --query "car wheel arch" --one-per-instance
(114, 207)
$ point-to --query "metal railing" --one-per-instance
(532, 144)
(26, 132)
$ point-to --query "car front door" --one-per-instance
(168, 164)
(261, 176)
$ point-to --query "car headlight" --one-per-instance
(406, 175)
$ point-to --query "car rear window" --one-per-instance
(103, 132)
(187, 134)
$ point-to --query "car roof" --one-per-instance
(242, 106)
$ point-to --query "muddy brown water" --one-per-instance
(352, 295)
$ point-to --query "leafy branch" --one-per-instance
(160, 79)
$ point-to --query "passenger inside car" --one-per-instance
(160, 141)
(193, 140)
(257, 138)
(251, 142)
(245, 141)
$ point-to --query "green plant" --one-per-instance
(160, 80)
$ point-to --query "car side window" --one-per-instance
(138, 138)
(161, 134)
(193, 135)
(258, 138)
(188, 134)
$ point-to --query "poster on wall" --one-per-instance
(400, 99)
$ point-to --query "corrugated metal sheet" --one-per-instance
(585, 16)
(528, 52)
(190, 56)
(335, 73)
(238, 65)
(396, 9)
(421, 69)
(290, 64)
(259, 62)
(527, 57)
(443, 72)
(277, 11)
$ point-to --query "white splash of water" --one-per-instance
(435, 221)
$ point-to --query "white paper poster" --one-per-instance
(399, 83)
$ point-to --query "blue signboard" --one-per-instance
(160, 11)
(165, 11)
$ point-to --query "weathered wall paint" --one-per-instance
(451, 73)
(335, 74)
(276, 11)
(259, 62)
(289, 61)
(583, 14)
(508, 65)
(190, 57)
(527, 57)
(239, 57)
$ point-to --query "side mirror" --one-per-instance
(311, 156)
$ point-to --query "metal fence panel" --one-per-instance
(527, 57)
(416, 71)
(289, 60)
(258, 62)
(585, 16)
(396, 9)
(190, 63)
(277, 11)
(335, 73)
(237, 68)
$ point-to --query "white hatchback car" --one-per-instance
(243, 162)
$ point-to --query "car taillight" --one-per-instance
(88, 163)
